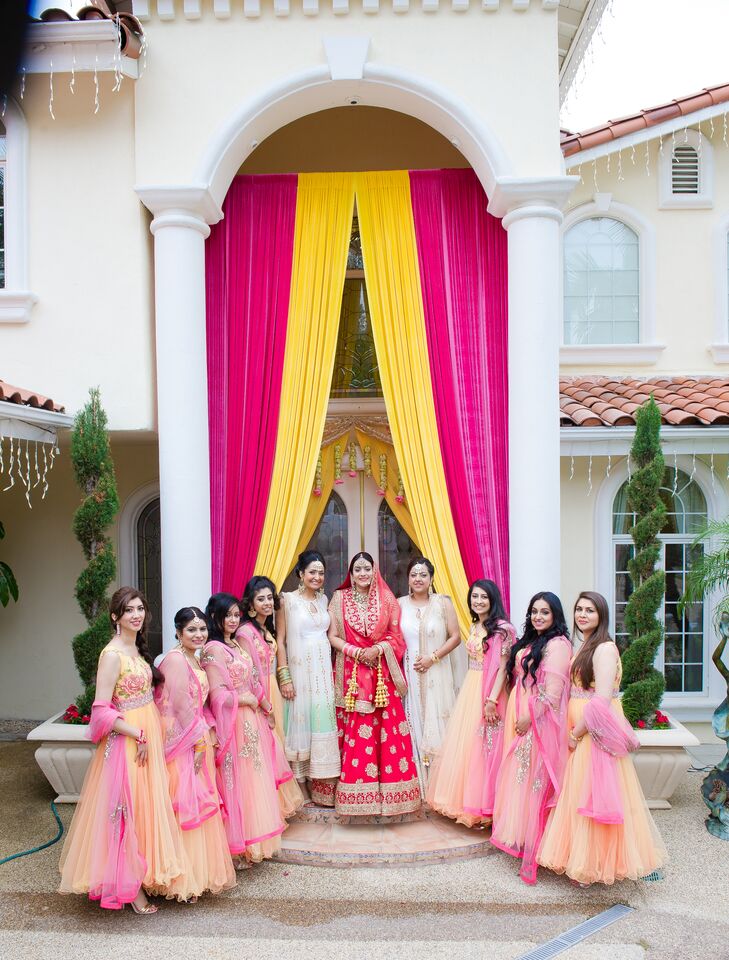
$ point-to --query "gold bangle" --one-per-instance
(434, 657)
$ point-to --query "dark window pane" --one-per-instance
(674, 556)
(623, 587)
(356, 373)
(694, 648)
(694, 679)
(623, 553)
(395, 548)
(330, 539)
(673, 679)
(671, 619)
(693, 617)
(674, 648)
(150, 571)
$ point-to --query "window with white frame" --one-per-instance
(601, 283)
(682, 655)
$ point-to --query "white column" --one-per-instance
(535, 316)
(182, 411)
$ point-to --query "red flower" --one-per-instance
(86, 718)
(72, 709)
(641, 724)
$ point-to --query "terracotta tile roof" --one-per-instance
(28, 398)
(614, 129)
(612, 402)
(120, 12)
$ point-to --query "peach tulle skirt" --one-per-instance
(209, 864)
(257, 778)
(152, 818)
(450, 770)
(591, 852)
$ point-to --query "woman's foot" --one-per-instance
(242, 864)
(142, 906)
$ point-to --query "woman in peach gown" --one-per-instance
(463, 778)
(189, 741)
(124, 837)
(601, 830)
(535, 733)
(245, 757)
(257, 634)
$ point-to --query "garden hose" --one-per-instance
(48, 843)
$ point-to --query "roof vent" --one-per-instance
(685, 170)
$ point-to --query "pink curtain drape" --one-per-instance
(248, 278)
(463, 270)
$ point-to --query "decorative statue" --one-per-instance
(715, 788)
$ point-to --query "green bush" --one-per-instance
(94, 471)
(642, 684)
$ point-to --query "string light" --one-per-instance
(96, 84)
(620, 166)
(609, 466)
(675, 473)
(589, 476)
(713, 478)
(711, 127)
(726, 143)
(632, 153)
(594, 173)
(5, 106)
(647, 159)
(72, 85)
(693, 467)
(10, 468)
(660, 144)
(572, 465)
(50, 102)
(22, 83)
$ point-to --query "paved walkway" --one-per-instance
(468, 909)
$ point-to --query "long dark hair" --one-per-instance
(582, 668)
(215, 613)
(537, 641)
(254, 585)
(362, 555)
(118, 603)
(496, 614)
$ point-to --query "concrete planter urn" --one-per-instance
(64, 754)
(662, 762)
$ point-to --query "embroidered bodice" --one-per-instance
(134, 684)
(202, 679)
(240, 668)
(474, 646)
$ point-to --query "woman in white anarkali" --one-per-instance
(306, 681)
(435, 663)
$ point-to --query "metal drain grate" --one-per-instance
(577, 934)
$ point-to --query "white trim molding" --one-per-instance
(691, 707)
(704, 199)
(617, 441)
(80, 45)
(719, 349)
(16, 300)
(647, 350)
(127, 530)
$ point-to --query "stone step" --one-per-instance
(312, 813)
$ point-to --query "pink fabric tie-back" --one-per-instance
(248, 278)
(463, 272)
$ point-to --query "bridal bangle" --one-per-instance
(434, 657)
(284, 675)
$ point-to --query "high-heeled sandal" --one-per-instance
(146, 910)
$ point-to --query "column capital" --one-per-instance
(180, 206)
(515, 198)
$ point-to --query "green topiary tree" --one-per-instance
(643, 685)
(94, 471)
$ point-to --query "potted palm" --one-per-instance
(65, 751)
(662, 760)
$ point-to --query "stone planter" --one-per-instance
(662, 762)
(63, 755)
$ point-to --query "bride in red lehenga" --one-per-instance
(379, 776)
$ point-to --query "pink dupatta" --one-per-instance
(611, 736)
(117, 868)
(180, 703)
(224, 708)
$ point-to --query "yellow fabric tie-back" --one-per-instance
(396, 308)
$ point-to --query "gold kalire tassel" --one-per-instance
(351, 696)
(382, 697)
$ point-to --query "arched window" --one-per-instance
(331, 540)
(149, 570)
(682, 656)
(601, 283)
(396, 549)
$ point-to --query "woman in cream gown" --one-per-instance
(434, 666)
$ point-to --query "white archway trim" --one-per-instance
(647, 350)
(684, 706)
(127, 531)
(720, 347)
(313, 90)
(704, 199)
(16, 301)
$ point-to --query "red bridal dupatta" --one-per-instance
(224, 708)
(116, 867)
(180, 703)
(379, 623)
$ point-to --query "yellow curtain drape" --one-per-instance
(324, 210)
(401, 511)
(396, 307)
(317, 505)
